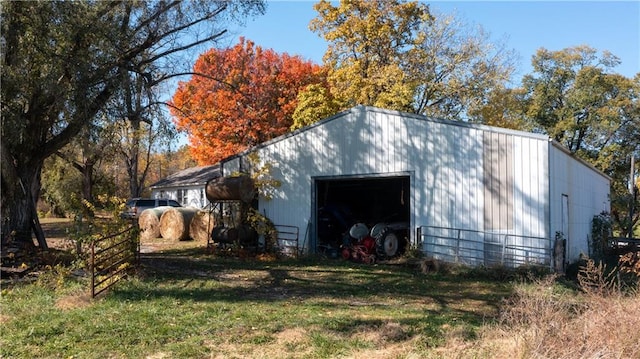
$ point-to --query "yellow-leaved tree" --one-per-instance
(369, 46)
(402, 56)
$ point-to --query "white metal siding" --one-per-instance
(231, 166)
(529, 231)
(588, 195)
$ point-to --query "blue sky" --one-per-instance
(525, 26)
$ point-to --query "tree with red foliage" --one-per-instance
(239, 97)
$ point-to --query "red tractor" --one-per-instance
(382, 242)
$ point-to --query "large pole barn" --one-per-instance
(457, 191)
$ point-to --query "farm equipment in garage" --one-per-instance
(383, 241)
(340, 232)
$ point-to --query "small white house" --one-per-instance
(186, 186)
(468, 193)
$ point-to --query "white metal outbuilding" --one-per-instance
(469, 193)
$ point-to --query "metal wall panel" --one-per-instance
(498, 181)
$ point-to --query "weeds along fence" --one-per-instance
(112, 257)
(478, 248)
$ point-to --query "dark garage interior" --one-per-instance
(343, 202)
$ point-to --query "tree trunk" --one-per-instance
(87, 186)
(137, 174)
(132, 165)
(86, 169)
(86, 172)
(19, 207)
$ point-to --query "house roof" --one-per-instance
(193, 176)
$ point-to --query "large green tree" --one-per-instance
(62, 61)
(94, 145)
(575, 97)
(571, 93)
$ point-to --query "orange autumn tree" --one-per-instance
(239, 97)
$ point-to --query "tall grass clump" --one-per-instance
(546, 319)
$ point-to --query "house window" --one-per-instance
(202, 199)
(182, 197)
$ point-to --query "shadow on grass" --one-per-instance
(193, 275)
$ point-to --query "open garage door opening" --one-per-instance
(379, 206)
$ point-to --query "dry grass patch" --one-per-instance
(74, 301)
(388, 332)
(291, 335)
(541, 321)
(160, 355)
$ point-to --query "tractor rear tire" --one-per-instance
(387, 244)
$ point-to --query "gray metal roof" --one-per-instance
(193, 176)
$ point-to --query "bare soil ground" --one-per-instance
(56, 231)
(18, 262)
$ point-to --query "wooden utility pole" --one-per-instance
(632, 197)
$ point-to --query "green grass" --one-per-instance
(189, 304)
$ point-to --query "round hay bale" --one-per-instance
(201, 226)
(149, 222)
(174, 223)
(240, 188)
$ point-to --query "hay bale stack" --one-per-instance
(201, 226)
(149, 222)
(174, 223)
(240, 188)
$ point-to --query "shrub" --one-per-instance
(601, 231)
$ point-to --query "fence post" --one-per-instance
(135, 245)
(458, 246)
(93, 269)
(504, 245)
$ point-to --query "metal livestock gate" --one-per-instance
(478, 248)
